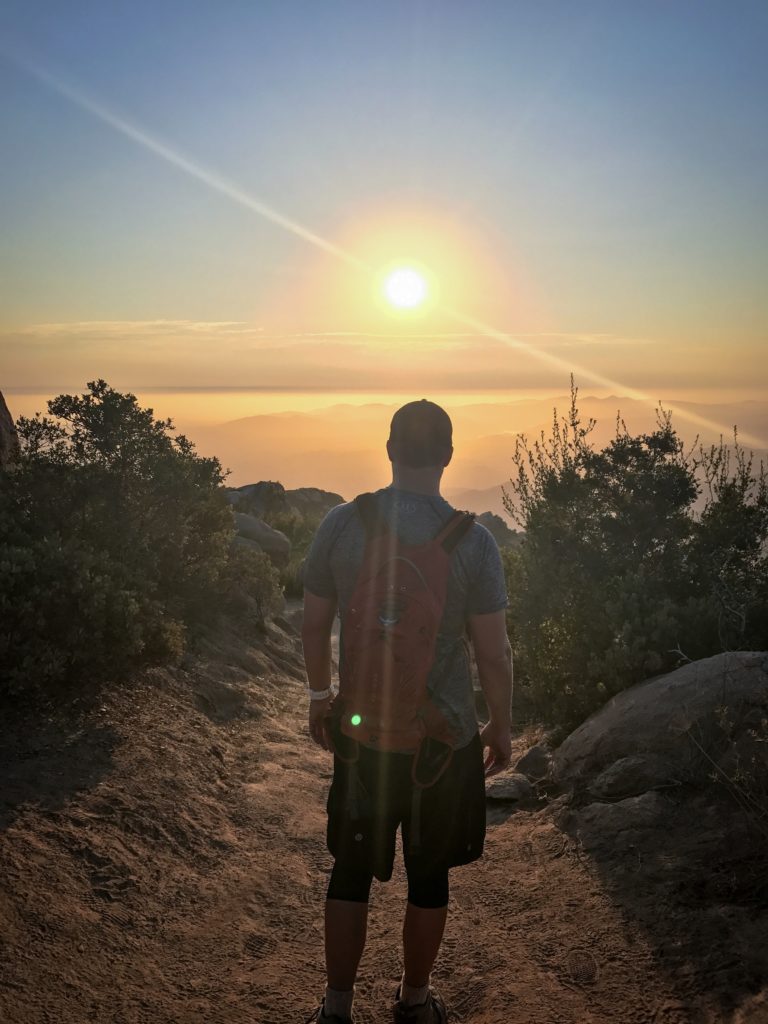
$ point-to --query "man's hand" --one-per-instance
(497, 743)
(318, 709)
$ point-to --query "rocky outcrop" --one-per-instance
(9, 439)
(261, 499)
(253, 532)
(313, 502)
(267, 498)
(255, 506)
(671, 728)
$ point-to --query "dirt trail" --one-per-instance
(163, 862)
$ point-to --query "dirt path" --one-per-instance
(163, 862)
(531, 939)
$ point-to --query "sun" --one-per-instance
(405, 288)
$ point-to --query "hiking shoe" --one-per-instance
(431, 1012)
(321, 1017)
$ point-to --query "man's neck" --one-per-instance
(418, 481)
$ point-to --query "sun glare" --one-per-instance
(405, 288)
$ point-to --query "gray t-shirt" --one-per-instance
(476, 585)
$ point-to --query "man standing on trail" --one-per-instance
(411, 578)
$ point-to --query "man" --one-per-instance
(446, 827)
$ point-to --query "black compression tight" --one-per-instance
(428, 890)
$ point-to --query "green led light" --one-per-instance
(356, 719)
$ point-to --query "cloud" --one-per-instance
(170, 353)
(138, 330)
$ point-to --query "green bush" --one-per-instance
(115, 542)
(250, 588)
(300, 528)
(617, 579)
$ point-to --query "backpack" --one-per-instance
(390, 631)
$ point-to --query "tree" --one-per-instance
(617, 579)
(115, 539)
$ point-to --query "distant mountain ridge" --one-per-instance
(342, 448)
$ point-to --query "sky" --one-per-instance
(206, 194)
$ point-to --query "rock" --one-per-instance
(603, 825)
(312, 501)
(630, 776)
(535, 763)
(267, 498)
(9, 439)
(274, 543)
(670, 720)
(263, 498)
(511, 788)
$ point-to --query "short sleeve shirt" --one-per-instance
(476, 585)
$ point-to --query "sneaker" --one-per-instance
(321, 1017)
(431, 1012)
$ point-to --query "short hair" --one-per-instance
(421, 434)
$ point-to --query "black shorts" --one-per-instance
(369, 800)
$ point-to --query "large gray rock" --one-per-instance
(609, 825)
(261, 499)
(678, 723)
(511, 788)
(9, 439)
(535, 763)
(272, 542)
(630, 776)
(312, 501)
(268, 497)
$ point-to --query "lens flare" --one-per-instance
(356, 720)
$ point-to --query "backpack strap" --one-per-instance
(368, 510)
(451, 533)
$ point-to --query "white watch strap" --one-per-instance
(320, 694)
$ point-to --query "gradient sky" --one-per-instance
(589, 177)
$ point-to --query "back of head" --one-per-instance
(421, 435)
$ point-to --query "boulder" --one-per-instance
(511, 788)
(630, 776)
(672, 727)
(611, 825)
(312, 501)
(272, 542)
(263, 498)
(535, 763)
(9, 439)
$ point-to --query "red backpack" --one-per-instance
(389, 634)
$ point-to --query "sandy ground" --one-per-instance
(162, 861)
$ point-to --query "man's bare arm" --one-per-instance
(319, 613)
(493, 654)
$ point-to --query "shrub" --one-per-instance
(617, 579)
(115, 541)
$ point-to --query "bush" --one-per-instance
(617, 579)
(115, 541)
(300, 528)
(249, 587)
